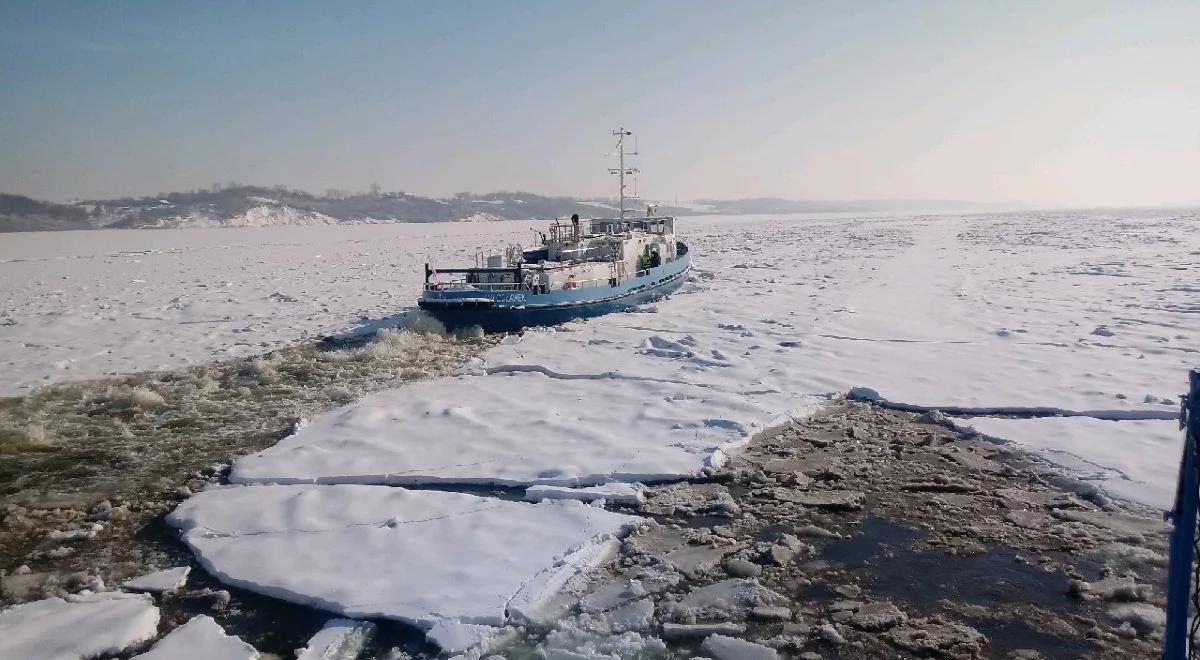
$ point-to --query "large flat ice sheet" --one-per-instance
(80, 627)
(1075, 313)
(518, 429)
(378, 551)
(1136, 459)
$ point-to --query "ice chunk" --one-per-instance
(376, 551)
(695, 560)
(82, 626)
(1144, 617)
(514, 429)
(635, 616)
(617, 493)
(725, 600)
(575, 639)
(613, 594)
(535, 598)
(721, 647)
(200, 637)
(338, 639)
(454, 637)
(863, 394)
(171, 579)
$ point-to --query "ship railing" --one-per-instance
(462, 285)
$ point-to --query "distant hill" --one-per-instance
(19, 213)
(257, 206)
(254, 206)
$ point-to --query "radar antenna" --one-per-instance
(621, 170)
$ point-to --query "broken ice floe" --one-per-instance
(587, 637)
(416, 556)
(169, 580)
(82, 626)
(515, 429)
(455, 637)
(338, 639)
(721, 647)
(200, 637)
(726, 600)
(615, 493)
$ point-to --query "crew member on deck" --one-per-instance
(644, 260)
(655, 259)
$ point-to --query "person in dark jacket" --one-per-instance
(655, 259)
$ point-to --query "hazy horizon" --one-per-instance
(1058, 104)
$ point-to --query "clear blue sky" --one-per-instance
(1066, 102)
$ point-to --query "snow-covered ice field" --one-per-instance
(84, 304)
(1092, 316)
(1093, 313)
(1095, 316)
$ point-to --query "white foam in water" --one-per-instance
(79, 627)
(376, 551)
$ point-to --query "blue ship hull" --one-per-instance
(511, 310)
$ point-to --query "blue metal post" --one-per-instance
(1183, 536)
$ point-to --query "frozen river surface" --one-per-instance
(1091, 313)
(1095, 316)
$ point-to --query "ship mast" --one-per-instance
(621, 170)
